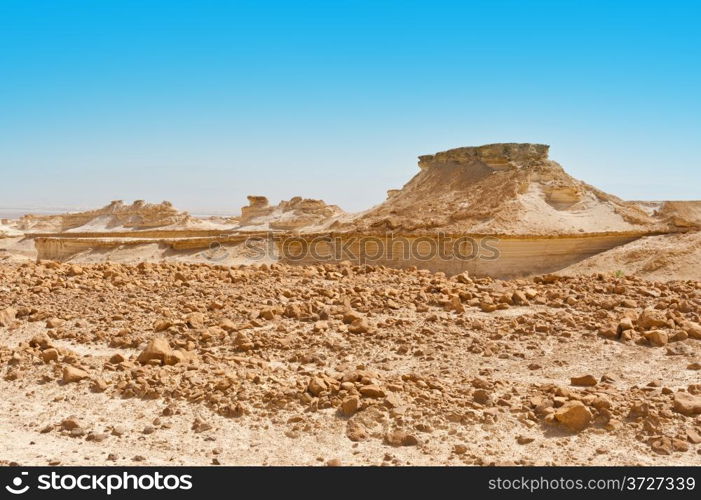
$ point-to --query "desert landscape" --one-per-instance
(492, 311)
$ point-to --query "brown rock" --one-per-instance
(521, 439)
(99, 385)
(73, 374)
(162, 324)
(662, 446)
(157, 349)
(316, 386)
(584, 381)
(519, 298)
(488, 307)
(351, 316)
(49, 355)
(459, 449)
(195, 320)
(463, 277)
(54, 323)
(243, 342)
(651, 318)
(687, 404)
(227, 325)
(75, 270)
(200, 425)
(41, 340)
(692, 329)
(70, 423)
(401, 438)
(680, 445)
(117, 358)
(119, 430)
(573, 415)
(7, 316)
(624, 325)
(349, 406)
(356, 431)
(360, 325)
(693, 436)
(372, 391)
(657, 338)
(481, 396)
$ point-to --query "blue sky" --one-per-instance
(204, 102)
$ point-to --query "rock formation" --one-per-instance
(499, 189)
(297, 213)
(138, 215)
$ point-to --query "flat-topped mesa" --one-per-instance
(505, 188)
(500, 156)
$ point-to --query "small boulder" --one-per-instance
(7, 316)
(349, 406)
(73, 374)
(657, 338)
(687, 404)
(401, 438)
(574, 415)
(49, 355)
(157, 349)
(651, 318)
(584, 381)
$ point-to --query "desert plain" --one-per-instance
(569, 333)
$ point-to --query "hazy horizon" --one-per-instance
(202, 104)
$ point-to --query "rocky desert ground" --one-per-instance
(140, 335)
